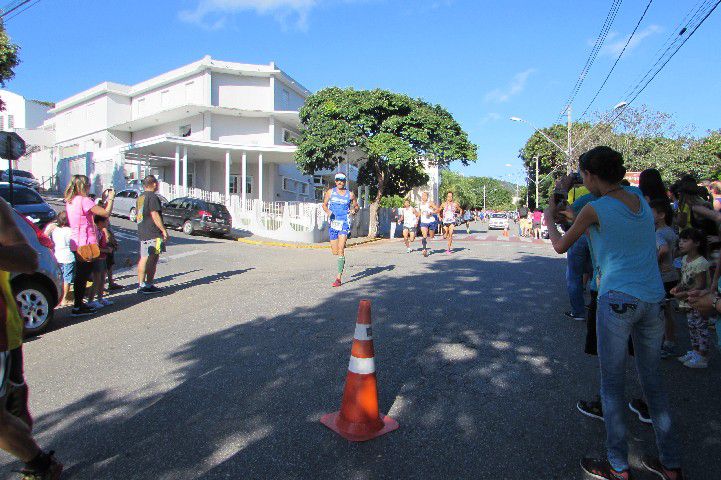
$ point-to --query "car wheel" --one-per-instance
(188, 228)
(133, 215)
(35, 305)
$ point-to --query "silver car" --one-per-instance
(37, 293)
(125, 204)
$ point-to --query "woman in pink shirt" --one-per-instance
(81, 210)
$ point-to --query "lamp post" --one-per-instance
(568, 151)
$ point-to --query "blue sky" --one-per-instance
(483, 60)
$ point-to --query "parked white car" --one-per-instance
(498, 221)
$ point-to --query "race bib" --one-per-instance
(336, 225)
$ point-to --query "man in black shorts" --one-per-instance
(152, 235)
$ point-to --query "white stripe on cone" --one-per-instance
(362, 366)
(363, 332)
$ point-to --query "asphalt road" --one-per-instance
(226, 374)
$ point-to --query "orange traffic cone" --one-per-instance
(359, 419)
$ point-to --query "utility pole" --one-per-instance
(568, 166)
(484, 198)
(536, 182)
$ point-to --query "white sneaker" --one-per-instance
(96, 305)
(106, 302)
(408, 250)
(685, 358)
(696, 362)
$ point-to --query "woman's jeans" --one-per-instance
(578, 259)
(618, 316)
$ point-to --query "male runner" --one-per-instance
(17, 255)
(410, 223)
(337, 204)
(448, 211)
(428, 222)
(467, 220)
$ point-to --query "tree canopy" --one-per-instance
(8, 59)
(468, 191)
(388, 134)
(647, 139)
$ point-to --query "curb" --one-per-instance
(266, 243)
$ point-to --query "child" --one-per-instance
(694, 276)
(99, 267)
(666, 240)
(110, 261)
(60, 232)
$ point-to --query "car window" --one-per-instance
(217, 208)
(21, 196)
(21, 173)
(133, 194)
(122, 194)
(186, 204)
(174, 203)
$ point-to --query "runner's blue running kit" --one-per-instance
(339, 206)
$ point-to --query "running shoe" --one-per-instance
(697, 361)
(425, 252)
(114, 286)
(17, 403)
(149, 290)
(601, 469)
(570, 315)
(654, 465)
(448, 252)
(689, 355)
(52, 472)
(337, 283)
(668, 351)
(82, 311)
(95, 305)
(408, 250)
(639, 407)
(592, 409)
(106, 302)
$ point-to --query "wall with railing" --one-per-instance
(288, 221)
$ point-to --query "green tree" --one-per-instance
(387, 134)
(468, 191)
(8, 59)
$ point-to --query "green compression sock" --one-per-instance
(341, 265)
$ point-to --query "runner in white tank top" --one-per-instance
(448, 211)
(410, 223)
(428, 221)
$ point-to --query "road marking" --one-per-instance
(126, 236)
(167, 258)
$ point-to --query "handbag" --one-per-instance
(88, 253)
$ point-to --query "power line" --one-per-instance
(617, 60)
(12, 6)
(23, 10)
(653, 72)
(608, 22)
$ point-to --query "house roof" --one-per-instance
(206, 63)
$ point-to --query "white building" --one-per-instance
(21, 113)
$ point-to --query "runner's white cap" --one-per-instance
(340, 176)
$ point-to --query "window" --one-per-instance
(289, 136)
(11, 122)
(285, 99)
(89, 112)
(141, 107)
(189, 92)
(174, 203)
(165, 98)
(133, 194)
(2, 123)
(295, 186)
(235, 183)
(190, 179)
(184, 131)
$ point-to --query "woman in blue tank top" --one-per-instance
(621, 233)
(337, 204)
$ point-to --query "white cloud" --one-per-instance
(488, 118)
(614, 43)
(213, 14)
(517, 85)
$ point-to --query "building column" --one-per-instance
(227, 175)
(243, 179)
(185, 170)
(177, 168)
(260, 177)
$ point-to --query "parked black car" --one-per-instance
(193, 215)
(29, 203)
(21, 177)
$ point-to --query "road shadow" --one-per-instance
(369, 272)
(475, 361)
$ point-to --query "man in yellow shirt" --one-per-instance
(15, 431)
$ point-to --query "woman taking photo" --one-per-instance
(81, 210)
(621, 234)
